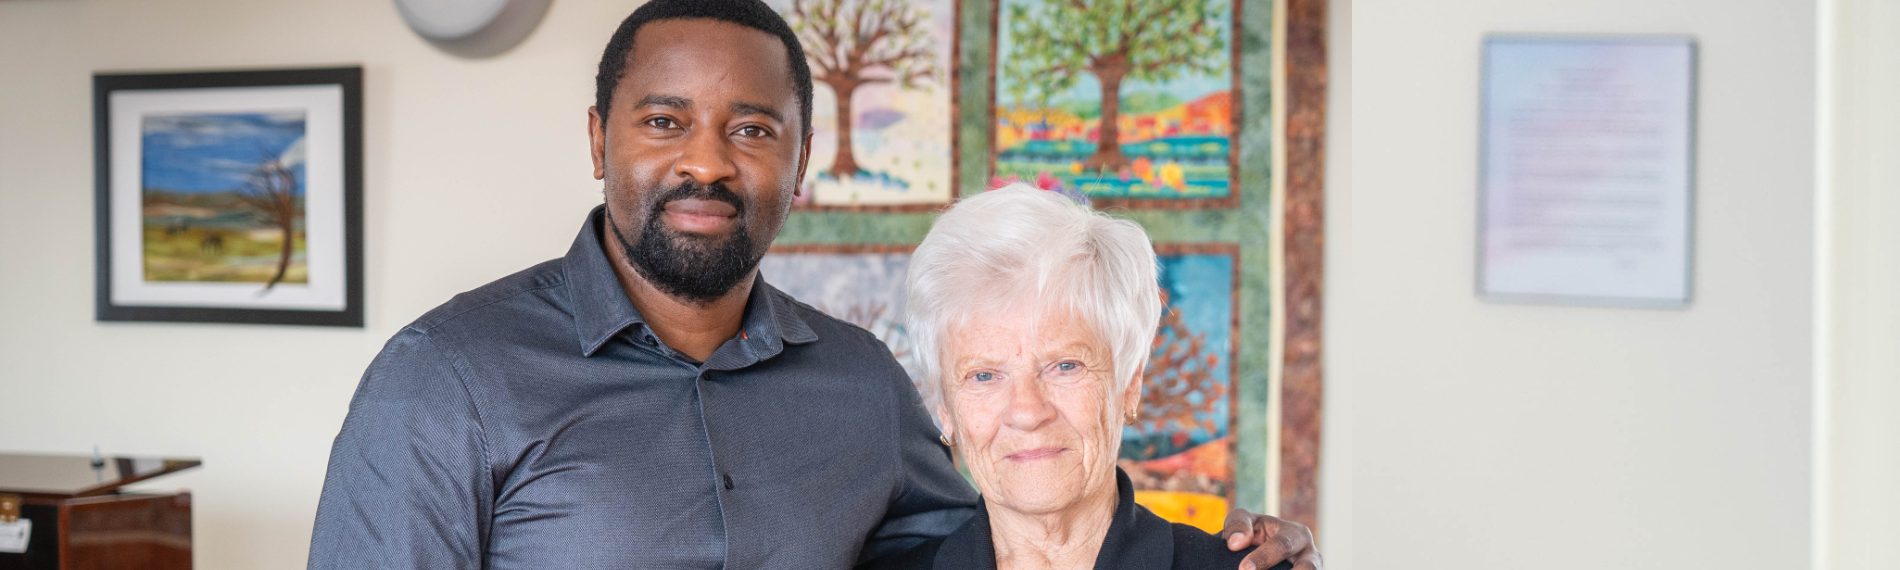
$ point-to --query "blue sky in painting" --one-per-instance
(214, 152)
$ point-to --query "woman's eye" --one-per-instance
(984, 376)
(1068, 366)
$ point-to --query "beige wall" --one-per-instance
(1336, 431)
(1495, 436)
(1861, 290)
(474, 169)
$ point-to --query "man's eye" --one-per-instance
(983, 376)
(661, 123)
(753, 131)
(1068, 366)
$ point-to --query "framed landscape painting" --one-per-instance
(1131, 103)
(883, 114)
(230, 196)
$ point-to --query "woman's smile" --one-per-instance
(1037, 454)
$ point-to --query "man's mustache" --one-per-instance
(693, 190)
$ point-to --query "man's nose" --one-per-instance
(707, 157)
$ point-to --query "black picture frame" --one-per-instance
(349, 79)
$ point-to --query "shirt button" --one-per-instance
(728, 477)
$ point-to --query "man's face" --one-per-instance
(702, 153)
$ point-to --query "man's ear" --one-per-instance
(804, 159)
(597, 141)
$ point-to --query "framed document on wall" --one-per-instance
(231, 197)
(1587, 170)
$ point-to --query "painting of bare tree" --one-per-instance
(882, 113)
(271, 192)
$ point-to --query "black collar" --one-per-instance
(1136, 540)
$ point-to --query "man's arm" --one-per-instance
(932, 498)
(408, 485)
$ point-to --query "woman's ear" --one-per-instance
(945, 421)
(1131, 396)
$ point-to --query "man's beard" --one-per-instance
(686, 266)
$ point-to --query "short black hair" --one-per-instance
(749, 13)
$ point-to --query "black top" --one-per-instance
(1137, 540)
(536, 422)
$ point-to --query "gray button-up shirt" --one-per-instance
(536, 422)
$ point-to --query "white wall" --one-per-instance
(1861, 304)
(474, 169)
(1495, 436)
(1336, 431)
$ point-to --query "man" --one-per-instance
(647, 401)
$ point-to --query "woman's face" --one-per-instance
(1033, 409)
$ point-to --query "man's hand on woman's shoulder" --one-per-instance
(1278, 540)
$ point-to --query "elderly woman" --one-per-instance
(1033, 317)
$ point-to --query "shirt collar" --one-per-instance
(771, 321)
(602, 310)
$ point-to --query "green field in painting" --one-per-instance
(241, 256)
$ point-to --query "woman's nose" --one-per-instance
(1029, 405)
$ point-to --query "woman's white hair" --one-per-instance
(1014, 245)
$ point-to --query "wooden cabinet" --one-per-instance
(80, 520)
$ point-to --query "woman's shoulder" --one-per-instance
(1196, 549)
